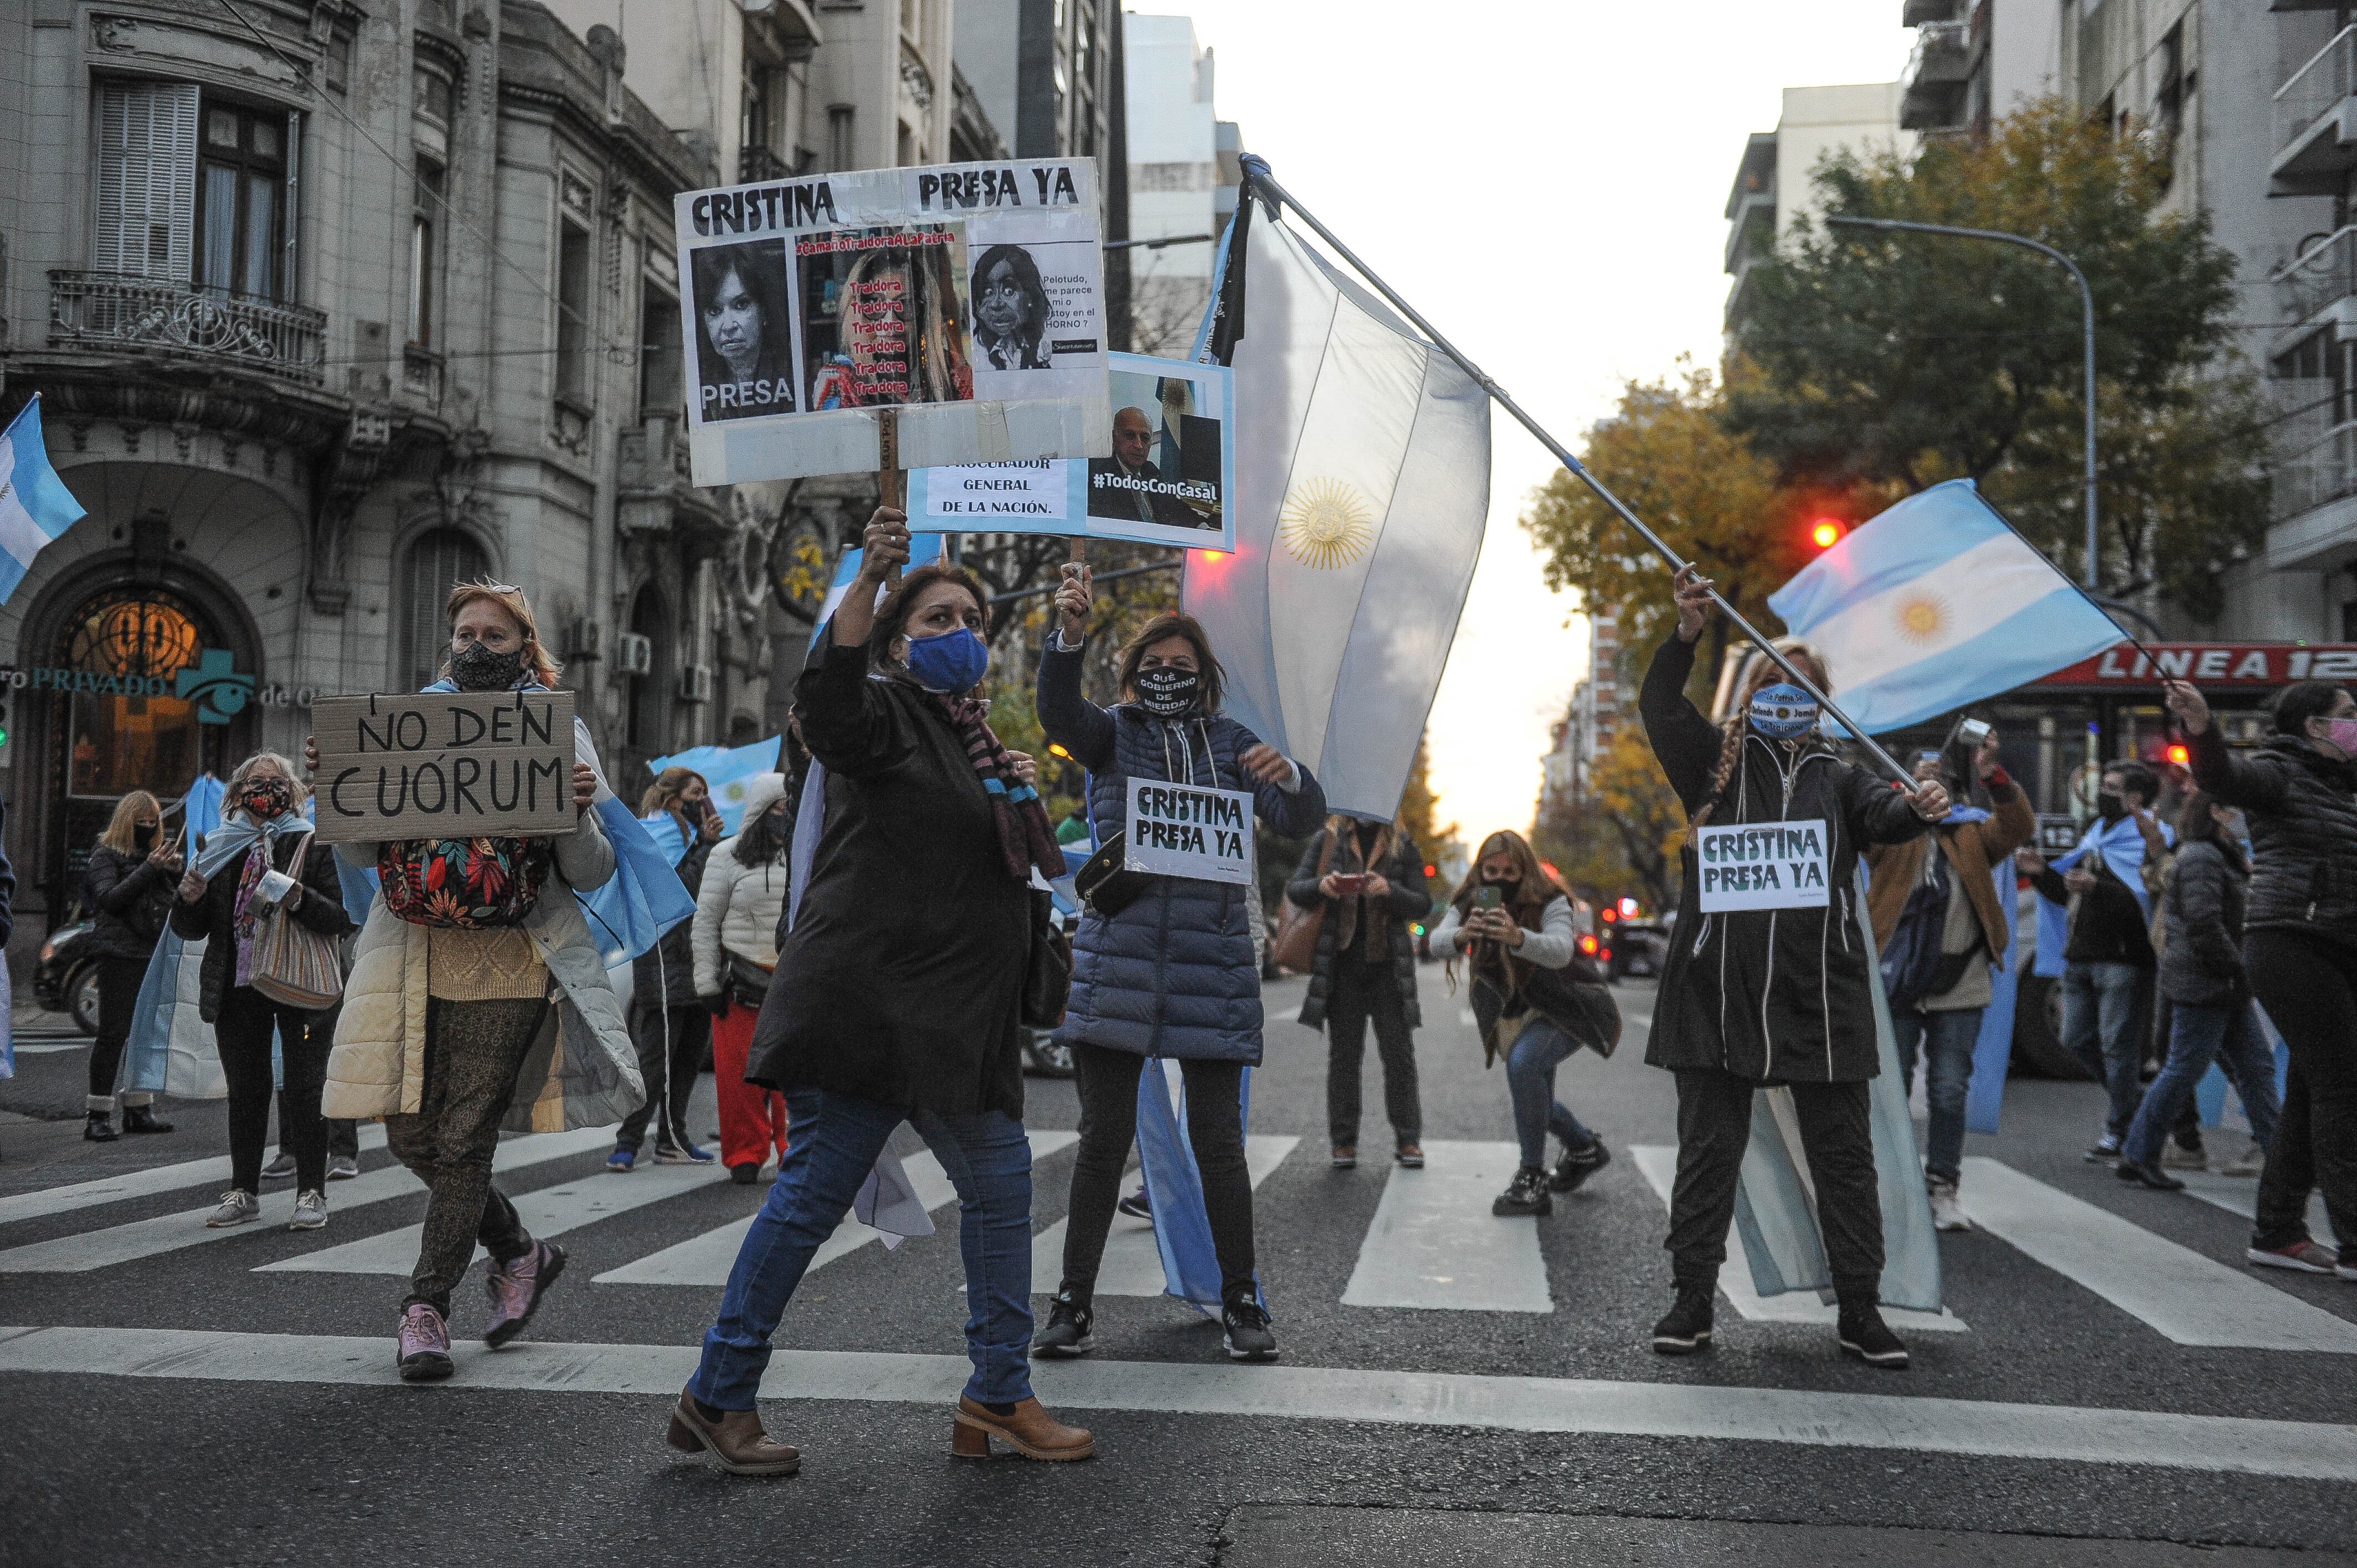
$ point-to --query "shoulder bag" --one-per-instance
(293, 964)
(1047, 971)
(1106, 883)
(1297, 929)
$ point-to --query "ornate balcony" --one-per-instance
(755, 165)
(122, 311)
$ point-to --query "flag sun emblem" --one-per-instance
(1922, 617)
(1325, 524)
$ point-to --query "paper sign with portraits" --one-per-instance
(1166, 481)
(968, 296)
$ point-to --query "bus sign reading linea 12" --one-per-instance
(2211, 665)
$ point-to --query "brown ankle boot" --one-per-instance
(1029, 1430)
(736, 1440)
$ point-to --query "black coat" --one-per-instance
(2202, 914)
(1771, 995)
(1410, 901)
(2303, 818)
(213, 917)
(902, 979)
(671, 977)
(129, 898)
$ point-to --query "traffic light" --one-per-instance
(1826, 532)
(1432, 870)
(2179, 754)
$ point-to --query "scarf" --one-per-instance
(1026, 837)
(239, 835)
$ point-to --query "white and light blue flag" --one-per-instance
(34, 505)
(1935, 604)
(728, 770)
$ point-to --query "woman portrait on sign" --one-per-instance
(744, 350)
(1010, 311)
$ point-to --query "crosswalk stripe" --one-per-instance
(2239, 1195)
(1433, 1243)
(2184, 1296)
(1658, 1163)
(125, 1184)
(1133, 1262)
(85, 1250)
(2292, 1450)
(705, 1258)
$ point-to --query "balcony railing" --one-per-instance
(2330, 76)
(120, 311)
(755, 164)
(1942, 53)
(2323, 273)
(2324, 471)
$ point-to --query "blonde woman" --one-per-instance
(127, 892)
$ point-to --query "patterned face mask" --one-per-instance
(267, 798)
(1783, 712)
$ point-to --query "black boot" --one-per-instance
(1864, 1336)
(1687, 1327)
(1577, 1165)
(1525, 1194)
(100, 1129)
(141, 1119)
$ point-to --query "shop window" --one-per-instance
(438, 561)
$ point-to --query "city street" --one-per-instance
(1454, 1387)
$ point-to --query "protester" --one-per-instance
(1171, 976)
(1768, 995)
(1942, 927)
(737, 910)
(1527, 933)
(127, 891)
(226, 900)
(897, 998)
(1368, 877)
(2298, 793)
(669, 1027)
(504, 934)
(2209, 991)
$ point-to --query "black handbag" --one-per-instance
(1106, 884)
(1048, 970)
(748, 983)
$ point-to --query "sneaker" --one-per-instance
(682, 1154)
(1410, 1156)
(343, 1167)
(1137, 1206)
(2251, 1162)
(1577, 1165)
(516, 1288)
(1687, 1327)
(1525, 1194)
(281, 1166)
(1066, 1333)
(622, 1162)
(1947, 1213)
(236, 1207)
(745, 1173)
(1248, 1338)
(1346, 1157)
(2302, 1256)
(2106, 1150)
(1864, 1336)
(310, 1211)
(2153, 1177)
(2174, 1157)
(423, 1351)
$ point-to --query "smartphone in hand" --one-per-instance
(1487, 897)
(1350, 884)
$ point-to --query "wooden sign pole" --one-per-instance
(891, 482)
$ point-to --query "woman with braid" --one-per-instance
(1766, 983)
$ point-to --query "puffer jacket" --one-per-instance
(2208, 898)
(1173, 973)
(1398, 862)
(736, 911)
(2302, 808)
(129, 898)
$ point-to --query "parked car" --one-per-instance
(1639, 948)
(67, 980)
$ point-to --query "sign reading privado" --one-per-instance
(1186, 830)
(1762, 865)
(455, 765)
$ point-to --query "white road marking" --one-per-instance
(125, 1184)
(2184, 1296)
(2239, 1195)
(1133, 1262)
(1659, 1164)
(90, 1249)
(2310, 1451)
(1433, 1243)
(48, 1046)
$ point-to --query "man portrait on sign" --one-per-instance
(1127, 484)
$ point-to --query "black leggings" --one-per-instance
(242, 1034)
(1715, 1128)
(2309, 987)
(1215, 1127)
(118, 992)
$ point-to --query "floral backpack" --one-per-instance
(462, 883)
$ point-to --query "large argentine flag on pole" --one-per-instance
(34, 505)
(1363, 485)
(1935, 604)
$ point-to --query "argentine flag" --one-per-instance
(34, 505)
(1935, 604)
(726, 771)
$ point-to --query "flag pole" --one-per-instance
(1258, 177)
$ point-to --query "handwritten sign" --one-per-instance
(1186, 830)
(1763, 865)
(444, 766)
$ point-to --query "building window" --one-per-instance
(438, 561)
(660, 370)
(842, 148)
(572, 312)
(908, 153)
(645, 697)
(424, 252)
(241, 180)
(147, 179)
(433, 95)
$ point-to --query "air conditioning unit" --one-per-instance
(695, 684)
(584, 638)
(633, 654)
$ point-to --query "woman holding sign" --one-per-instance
(1766, 983)
(1170, 973)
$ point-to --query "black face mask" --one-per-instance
(143, 836)
(2111, 808)
(475, 668)
(1167, 691)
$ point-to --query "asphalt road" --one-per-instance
(2120, 1378)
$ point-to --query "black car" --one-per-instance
(1639, 946)
(67, 980)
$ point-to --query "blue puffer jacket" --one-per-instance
(1173, 974)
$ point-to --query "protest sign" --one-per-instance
(450, 765)
(966, 298)
(1763, 865)
(1186, 830)
(1167, 482)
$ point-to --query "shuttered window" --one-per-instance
(147, 179)
(438, 561)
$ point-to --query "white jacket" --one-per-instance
(736, 912)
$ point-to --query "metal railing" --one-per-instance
(2323, 273)
(120, 310)
(2324, 470)
(755, 164)
(2330, 76)
(1943, 54)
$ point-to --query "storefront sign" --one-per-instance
(220, 691)
(445, 766)
(2211, 665)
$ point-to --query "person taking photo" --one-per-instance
(128, 893)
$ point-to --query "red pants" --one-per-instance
(752, 1119)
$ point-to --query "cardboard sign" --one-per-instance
(1187, 830)
(966, 296)
(455, 765)
(1763, 865)
(1167, 482)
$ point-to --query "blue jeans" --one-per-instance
(836, 1138)
(2103, 1024)
(1530, 1083)
(2196, 1037)
(1947, 1039)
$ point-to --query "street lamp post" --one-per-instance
(2087, 322)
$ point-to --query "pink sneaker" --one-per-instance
(2304, 1256)
(424, 1353)
(516, 1288)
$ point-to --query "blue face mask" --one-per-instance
(1783, 712)
(951, 661)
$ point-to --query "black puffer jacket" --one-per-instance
(129, 898)
(2202, 961)
(1771, 995)
(2302, 808)
(1399, 863)
(214, 916)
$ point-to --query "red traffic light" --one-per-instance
(1826, 532)
(2179, 754)
(1432, 870)
(1610, 914)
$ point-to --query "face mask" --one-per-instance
(267, 798)
(953, 661)
(475, 668)
(1783, 712)
(2342, 732)
(1167, 691)
(143, 836)
(2110, 807)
